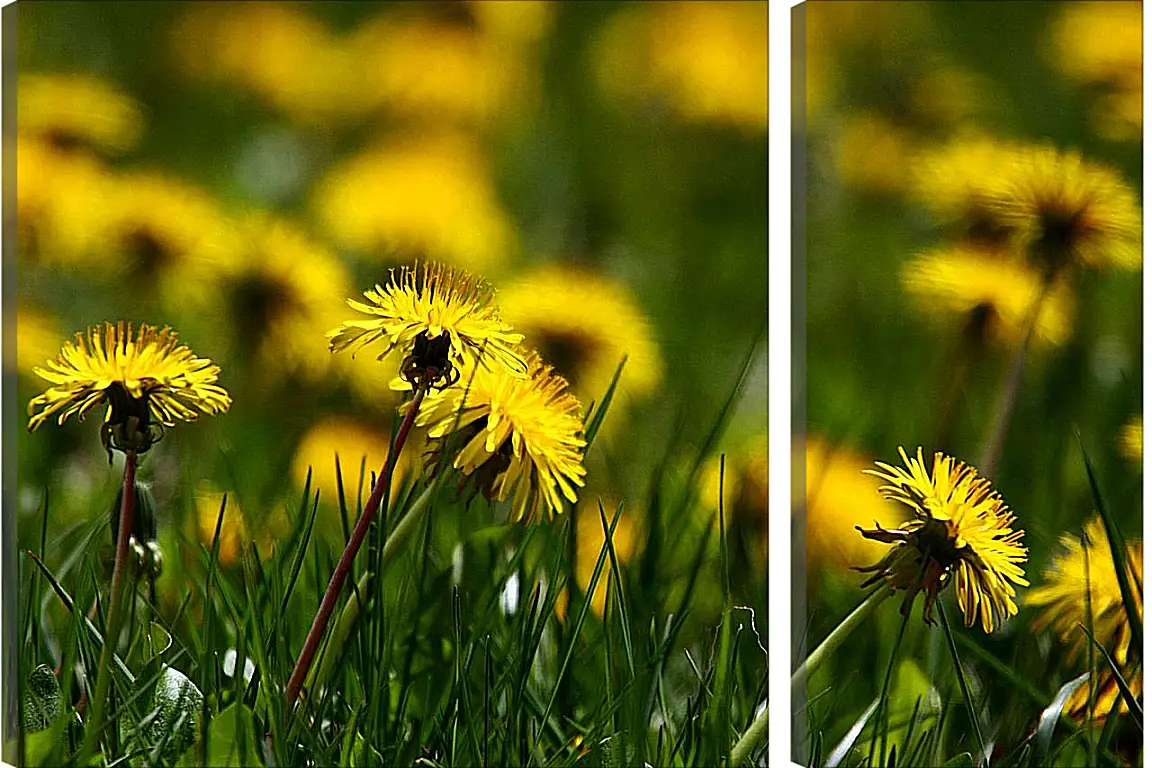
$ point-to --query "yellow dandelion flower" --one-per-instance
(1132, 440)
(272, 49)
(234, 534)
(55, 216)
(37, 338)
(708, 61)
(1068, 582)
(445, 317)
(961, 531)
(953, 182)
(983, 286)
(279, 296)
(1062, 593)
(521, 436)
(590, 540)
(1108, 691)
(460, 62)
(583, 324)
(352, 442)
(1099, 42)
(145, 379)
(1062, 208)
(71, 110)
(838, 497)
(432, 196)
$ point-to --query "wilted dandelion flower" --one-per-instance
(961, 531)
(992, 292)
(145, 380)
(439, 316)
(74, 110)
(1064, 209)
(1132, 440)
(521, 436)
(1068, 583)
(583, 324)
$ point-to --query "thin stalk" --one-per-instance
(95, 725)
(963, 359)
(837, 636)
(994, 447)
(340, 574)
(756, 733)
(979, 737)
(882, 718)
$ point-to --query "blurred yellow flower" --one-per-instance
(962, 531)
(840, 497)
(1101, 44)
(707, 61)
(1064, 209)
(1070, 585)
(72, 110)
(745, 491)
(590, 541)
(145, 379)
(429, 197)
(277, 50)
(281, 295)
(1132, 440)
(353, 442)
(953, 180)
(473, 67)
(234, 535)
(55, 194)
(519, 437)
(873, 153)
(583, 324)
(37, 338)
(989, 293)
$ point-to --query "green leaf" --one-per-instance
(962, 760)
(41, 699)
(1051, 715)
(176, 705)
(232, 738)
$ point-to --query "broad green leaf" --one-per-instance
(232, 738)
(41, 699)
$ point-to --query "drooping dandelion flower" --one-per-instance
(1070, 581)
(992, 293)
(583, 324)
(961, 531)
(521, 436)
(1062, 209)
(76, 110)
(838, 498)
(440, 317)
(144, 378)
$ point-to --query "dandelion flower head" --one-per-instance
(427, 305)
(145, 379)
(961, 531)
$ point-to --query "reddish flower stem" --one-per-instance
(340, 574)
(95, 725)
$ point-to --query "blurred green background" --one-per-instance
(885, 83)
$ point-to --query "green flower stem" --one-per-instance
(351, 610)
(976, 735)
(95, 719)
(994, 447)
(756, 733)
(340, 574)
(837, 637)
